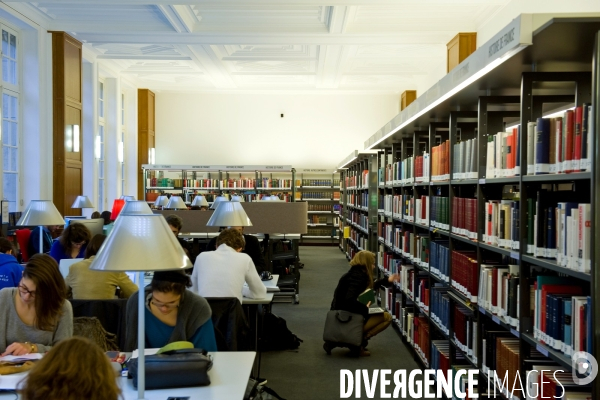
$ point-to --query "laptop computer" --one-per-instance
(65, 265)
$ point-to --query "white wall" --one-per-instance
(316, 131)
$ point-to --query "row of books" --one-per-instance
(502, 224)
(421, 337)
(562, 144)
(464, 217)
(359, 239)
(359, 219)
(464, 327)
(317, 219)
(499, 291)
(320, 207)
(464, 273)
(360, 180)
(560, 230)
(316, 195)
(239, 183)
(440, 307)
(274, 183)
(439, 214)
(503, 154)
(440, 360)
(320, 231)
(562, 314)
(358, 199)
(413, 246)
(318, 182)
(422, 293)
(422, 168)
(439, 259)
(440, 162)
(548, 380)
(464, 162)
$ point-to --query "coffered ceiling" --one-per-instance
(268, 45)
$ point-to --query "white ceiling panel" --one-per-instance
(269, 45)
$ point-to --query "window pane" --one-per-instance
(14, 153)
(10, 190)
(4, 42)
(13, 46)
(5, 69)
(13, 72)
(5, 158)
(101, 90)
(5, 105)
(13, 134)
(5, 132)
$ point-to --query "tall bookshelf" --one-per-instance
(527, 71)
(251, 181)
(321, 189)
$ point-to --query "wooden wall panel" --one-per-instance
(67, 110)
(146, 125)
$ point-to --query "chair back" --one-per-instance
(110, 313)
(230, 323)
(23, 241)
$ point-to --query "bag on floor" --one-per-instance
(276, 335)
(254, 391)
(344, 327)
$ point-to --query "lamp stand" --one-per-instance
(41, 248)
(141, 336)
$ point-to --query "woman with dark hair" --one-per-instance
(172, 314)
(72, 242)
(351, 285)
(10, 269)
(92, 285)
(35, 315)
(74, 369)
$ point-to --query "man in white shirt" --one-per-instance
(222, 273)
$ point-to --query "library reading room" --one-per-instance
(298, 199)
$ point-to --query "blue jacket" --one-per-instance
(58, 252)
(10, 271)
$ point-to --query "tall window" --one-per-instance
(122, 150)
(10, 119)
(100, 149)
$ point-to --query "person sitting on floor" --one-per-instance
(74, 369)
(35, 315)
(222, 273)
(173, 314)
(71, 243)
(85, 283)
(351, 285)
(10, 269)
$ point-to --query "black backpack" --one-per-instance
(276, 335)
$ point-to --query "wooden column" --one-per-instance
(67, 118)
(145, 134)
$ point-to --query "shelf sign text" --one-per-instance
(502, 41)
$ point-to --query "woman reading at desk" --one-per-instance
(173, 314)
(35, 315)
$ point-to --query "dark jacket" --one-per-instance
(33, 246)
(252, 248)
(350, 286)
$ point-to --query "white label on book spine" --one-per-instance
(530, 170)
(553, 169)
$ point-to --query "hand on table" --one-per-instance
(394, 278)
(17, 349)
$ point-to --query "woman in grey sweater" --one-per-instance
(35, 315)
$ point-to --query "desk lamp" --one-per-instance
(139, 207)
(141, 243)
(237, 197)
(218, 199)
(266, 197)
(200, 201)
(275, 198)
(161, 201)
(116, 208)
(176, 203)
(229, 213)
(82, 202)
(41, 213)
(128, 198)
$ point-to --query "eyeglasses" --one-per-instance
(168, 306)
(24, 290)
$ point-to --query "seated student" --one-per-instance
(35, 315)
(87, 284)
(222, 273)
(96, 214)
(72, 242)
(173, 314)
(175, 224)
(74, 369)
(252, 248)
(33, 247)
(10, 269)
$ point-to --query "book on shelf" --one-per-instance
(421, 337)
(499, 291)
(439, 213)
(440, 162)
(464, 275)
(422, 168)
(562, 144)
(464, 217)
(502, 152)
(440, 307)
(464, 327)
(502, 224)
(464, 159)
(439, 257)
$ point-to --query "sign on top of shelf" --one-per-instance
(513, 38)
(219, 167)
